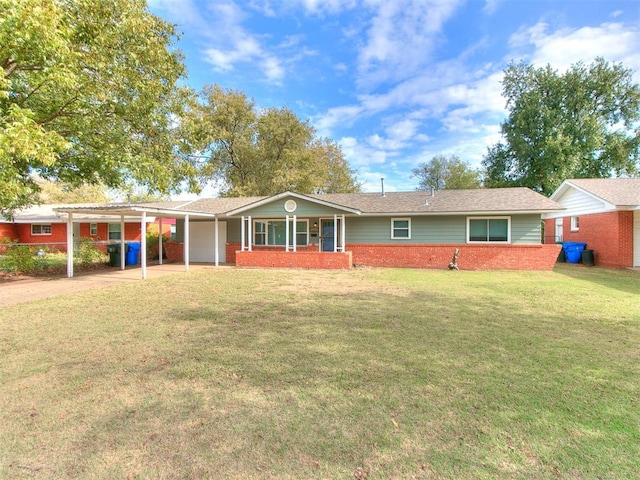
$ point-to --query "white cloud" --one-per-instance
(565, 47)
(401, 37)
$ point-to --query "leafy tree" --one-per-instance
(260, 152)
(88, 95)
(58, 192)
(449, 173)
(580, 124)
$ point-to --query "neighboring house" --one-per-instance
(604, 213)
(41, 226)
(491, 229)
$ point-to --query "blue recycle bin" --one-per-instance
(573, 251)
(132, 253)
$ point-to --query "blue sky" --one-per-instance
(394, 82)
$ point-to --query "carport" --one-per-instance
(143, 211)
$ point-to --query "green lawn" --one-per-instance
(287, 374)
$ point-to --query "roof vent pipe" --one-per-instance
(433, 191)
(382, 185)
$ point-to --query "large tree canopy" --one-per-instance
(449, 173)
(580, 124)
(88, 95)
(261, 152)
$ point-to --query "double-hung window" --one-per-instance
(274, 232)
(488, 229)
(41, 229)
(114, 231)
(401, 228)
(93, 229)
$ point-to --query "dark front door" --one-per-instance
(327, 227)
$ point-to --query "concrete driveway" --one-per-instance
(28, 289)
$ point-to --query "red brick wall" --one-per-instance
(56, 241)
(299, 259)
(8, 230)
(609, 235)
(470, 257)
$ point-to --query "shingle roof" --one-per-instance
(617, 191)
(446, 201)
(496, 200)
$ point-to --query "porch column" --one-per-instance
(186, 242)
(250, 235)
(295, 232)
(242, 235)
(143, 244)
(286, 233)
(122, 243)
(70, 245)
(215, 241)
(160, 236)
(343, 230)
(335, 233)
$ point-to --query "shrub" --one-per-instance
(87, 254)
(18, 258)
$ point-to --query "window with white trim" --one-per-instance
(575, 224)
(93, 229)
(488, 229)
(41, 229)
(400, 228)
(274, 232)
(114, 231)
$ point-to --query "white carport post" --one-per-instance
(286, 234)
(249, 233)
(215, 242)
(186, 242)
(335, 233)
(143, 244)
(342, 234)
(295, 234)
(70, 245)
(242, 234)
(122, 244)
(160, 242)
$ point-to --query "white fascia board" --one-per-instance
(567, 185)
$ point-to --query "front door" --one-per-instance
(327, 227)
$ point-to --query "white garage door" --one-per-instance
(201, 242)
(636, 239)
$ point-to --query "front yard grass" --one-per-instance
(288, 374)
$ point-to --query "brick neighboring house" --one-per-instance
(604, 213)
(41, 226)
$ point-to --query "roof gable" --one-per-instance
(610, 193)
(287, 202)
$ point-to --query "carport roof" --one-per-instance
(175, 209)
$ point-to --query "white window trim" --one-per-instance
(266, 231)
(505, 217)
(41, 225)
(393, 229)
(575, 223)
(93, 229)
(109, 232)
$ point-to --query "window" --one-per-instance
(114, 231)
(44, 229)
(93, 229)
(575, 224)
(274, 232)
(488, 229)
(400, 228)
